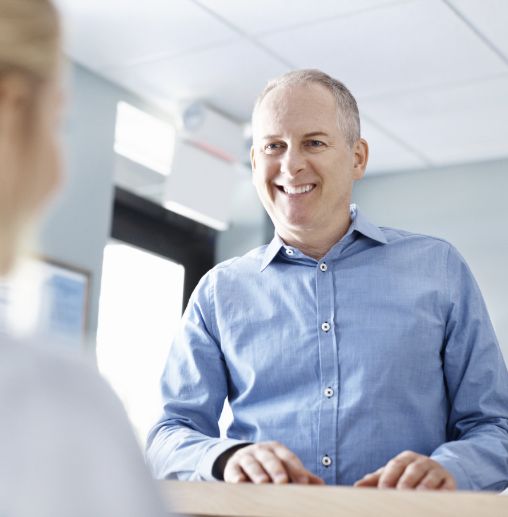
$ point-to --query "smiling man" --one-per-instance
(349, 353)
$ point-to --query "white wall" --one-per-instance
(247, 228)
(77, 226)
(467, 205)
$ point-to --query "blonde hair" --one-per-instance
(348, 116)
(29, 38)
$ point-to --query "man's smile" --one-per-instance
(297, 190)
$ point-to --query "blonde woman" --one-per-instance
(66, 448)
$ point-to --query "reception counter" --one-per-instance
(247, 500)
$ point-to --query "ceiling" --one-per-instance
(430, 76)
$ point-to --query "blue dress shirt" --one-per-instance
(383, 345)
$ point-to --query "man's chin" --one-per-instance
(295, 224)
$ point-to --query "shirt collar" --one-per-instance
(359, 223)
(271, 251)
(362, 225)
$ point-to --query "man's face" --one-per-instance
(303, 169)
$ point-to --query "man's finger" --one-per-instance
(315, 480)
(272, 465)
(293, 465)
(414, 473)
(370, 480)
(303, 477)
(394, 469)
(433, 480)
(253, 469)
(233, 473)
(449, 483)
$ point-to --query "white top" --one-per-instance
(66, 446)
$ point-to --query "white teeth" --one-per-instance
(297, 190)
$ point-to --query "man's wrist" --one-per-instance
(220, 463)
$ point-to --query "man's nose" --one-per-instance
(292, 162)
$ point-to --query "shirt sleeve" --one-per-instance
(477, 384)
(185, 443)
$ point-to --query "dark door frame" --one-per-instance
(147, 225)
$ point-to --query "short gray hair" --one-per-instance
(348, 116)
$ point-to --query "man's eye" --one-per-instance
(315, 143)
(273, 147)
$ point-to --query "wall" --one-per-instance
(247, 227)
(77, 225)
(467, 205)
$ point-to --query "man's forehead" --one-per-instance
(285, 95)
(298, 106)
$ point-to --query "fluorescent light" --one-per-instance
(144, 139)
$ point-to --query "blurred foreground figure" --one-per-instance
(66, 447)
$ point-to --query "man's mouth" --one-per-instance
(296, 189)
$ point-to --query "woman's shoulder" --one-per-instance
(55, 386)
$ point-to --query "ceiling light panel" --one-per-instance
(402, 47)
(229, 77)
(116, 33)
(460, 124)
(263, 16)
(489, 17)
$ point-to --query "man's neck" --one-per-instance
(315, 243)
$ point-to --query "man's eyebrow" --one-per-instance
(306, 135)
(315, 133)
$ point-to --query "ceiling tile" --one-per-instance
(386, 154)
(102, 33)
(263, 16)
(401, 47)
(490, 17)
(218, 76)
(459, 124)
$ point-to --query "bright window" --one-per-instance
(140, 308)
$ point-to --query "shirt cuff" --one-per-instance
(452, 465)
(206, 463)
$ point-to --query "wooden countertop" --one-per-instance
(247, 500)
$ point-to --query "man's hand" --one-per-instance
(267, 462)
(410, 470)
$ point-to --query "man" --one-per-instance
(350, 354)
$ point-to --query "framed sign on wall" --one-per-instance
(47, 299)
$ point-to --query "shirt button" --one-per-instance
(329, 392)
(289, 251)
(325, 327)
(326, 460)
(323, 266)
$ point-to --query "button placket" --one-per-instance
(328, 360)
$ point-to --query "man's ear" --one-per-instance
(252, 160)
(361, 157)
